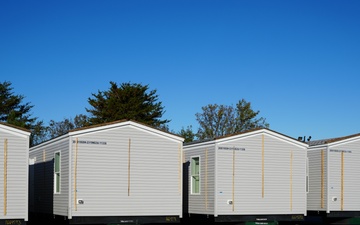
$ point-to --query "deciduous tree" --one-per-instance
(59, 128)
(220, 120)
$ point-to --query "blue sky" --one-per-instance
(297, 62)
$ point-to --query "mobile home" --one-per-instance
(119, 172)
(254, 176)
(14, 145)
(334, 172)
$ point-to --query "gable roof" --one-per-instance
(243, 132)
(99, 126)
(121, 121)
(15, 127)
(96, 125)
(331, 140)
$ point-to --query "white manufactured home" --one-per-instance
(334, 171)
(14, 170)
(119, 172)
(258, 175)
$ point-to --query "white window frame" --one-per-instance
(192, 175)
(57, 174)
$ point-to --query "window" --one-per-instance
(195, 175)
(57, 173)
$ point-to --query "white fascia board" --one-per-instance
(317, 147)
(49, 142)
(262, 131)
(345, 141)
(335, 144)
(199, 144)
(14, 131)
(237, 136)
(156, 131)
(97, 128)
(125, 124)
(287, 139)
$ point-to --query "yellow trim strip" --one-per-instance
(322, 179)
(262, 167)
(75, 174)
(206, 179)
(233, 182)
(129, 167)
(291, 181)
(180, 163)
(342, 181)
(5, 176)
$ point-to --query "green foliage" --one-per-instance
(38, 134)
(56, 129)
(127, 101)
(187, 134)
(220, 120)
(246, 117)
(214, 121)
(14, 111)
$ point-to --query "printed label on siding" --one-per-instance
(91, 142)
(345, 151)
(231, 148)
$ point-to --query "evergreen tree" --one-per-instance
(127, 101)
(187, 134)
(14, 111)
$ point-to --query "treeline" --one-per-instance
(128, 101)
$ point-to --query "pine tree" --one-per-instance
(127, 101)
(14, 111)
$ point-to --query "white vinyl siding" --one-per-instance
(344, 177)
(307, 175)
(263, 180)
(317, 195)
(124, 169)
(260, 172)
(43, 198)
(135, 173)
(14, 170)
(204, 202)
(334, 176)
(334, 183)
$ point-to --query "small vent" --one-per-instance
(32, 161)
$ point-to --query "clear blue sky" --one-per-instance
(297, 62)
